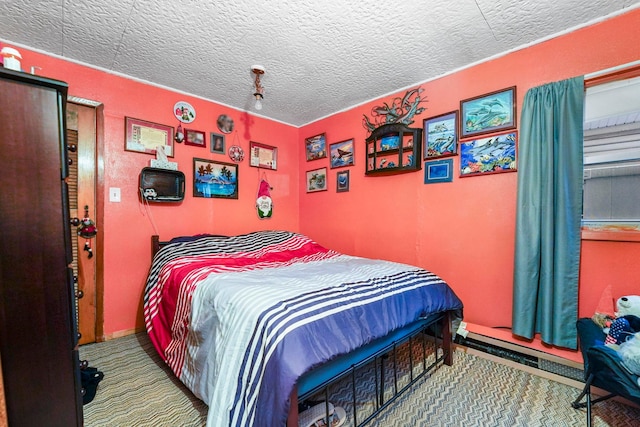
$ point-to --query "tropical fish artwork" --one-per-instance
(441, 137)
(488, 155)
(489, 113)
(400, 110)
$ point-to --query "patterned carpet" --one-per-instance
(138, 390)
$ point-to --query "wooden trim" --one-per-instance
(100, 220)
(3, 407)
(625, 73)
(611, 236)
(123, 333)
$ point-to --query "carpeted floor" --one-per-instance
(138, 390)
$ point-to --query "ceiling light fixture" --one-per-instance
(258, 70)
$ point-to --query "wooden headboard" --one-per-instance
(157, 244)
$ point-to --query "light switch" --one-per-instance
(114, 194)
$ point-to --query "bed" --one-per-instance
(243, 320)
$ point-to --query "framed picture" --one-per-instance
(341, 154)
(342, 181)
(438, 171)
(316, 147)
(263, 156)
(317, 180)
(491, 154)
(216, 143)
(145, 137)
(441, 136)
(488, 113)
(213, 179)
(194, 137)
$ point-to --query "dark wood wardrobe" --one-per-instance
(38, 337)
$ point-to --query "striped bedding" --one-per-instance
(240, 319)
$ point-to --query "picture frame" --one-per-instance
(142, 136)
(342, 181)
(438, 171)
(342, 154)
(316, 180)
(263, 156)
(195, 137)
(213, 179)
(489, 154)
(217, 143)
(441, 136)
(488, 113)
(316, 147)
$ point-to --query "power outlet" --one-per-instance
(114, 194)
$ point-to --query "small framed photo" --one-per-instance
(438, 171)
(317, 180)
(195, 137)
(145, 137)
(491, 154)
(263, 156)
(341, 154)
(488, 113)
(216, 143)
(342, 181)
(441, 136)
(316, 147)
(212, 179)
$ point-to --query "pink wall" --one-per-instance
(464, 231)
(127, 230)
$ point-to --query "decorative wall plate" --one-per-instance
(236, 153)
(184, 112)
(225, 123)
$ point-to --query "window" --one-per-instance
(612, 152)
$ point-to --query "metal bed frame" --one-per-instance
(438, 323)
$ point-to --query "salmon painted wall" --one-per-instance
(464, 231)
(126, 227)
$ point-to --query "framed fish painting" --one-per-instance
(491, 154)
(495, 111)
(441, 136)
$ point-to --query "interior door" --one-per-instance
(81, 132)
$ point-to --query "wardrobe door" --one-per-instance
(36, 341)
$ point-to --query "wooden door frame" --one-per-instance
(99, 210)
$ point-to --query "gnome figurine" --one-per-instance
(264, 204)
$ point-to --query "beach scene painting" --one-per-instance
(492, 154)
(441, 136)
(215, 179)
(316, 147)
(488, 113)
(342, 154)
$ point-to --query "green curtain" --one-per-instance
(549, 209)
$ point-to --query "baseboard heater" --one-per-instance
(522, 358)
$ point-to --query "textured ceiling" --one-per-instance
(320, 56)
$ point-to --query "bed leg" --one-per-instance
(292, 420)
(447, 339)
